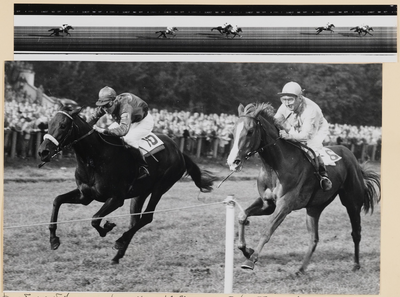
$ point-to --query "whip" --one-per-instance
(226, 178)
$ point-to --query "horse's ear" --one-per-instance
(60, 105)
(76, 111)
(240, 109)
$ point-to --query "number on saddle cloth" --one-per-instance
(151, 144)
(329, 157)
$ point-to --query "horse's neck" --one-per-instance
(282, 157)
(88, 146)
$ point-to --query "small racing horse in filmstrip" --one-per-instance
(362, 29)
(288, 181)
(234, 32)
(102, 174)
(170, 31)
(57, 31)
(228, 30)
(325, 28)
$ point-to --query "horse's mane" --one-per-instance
(256, 109)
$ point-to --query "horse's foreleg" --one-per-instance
(260, 207)
(273, 222)
(73, 197)
(108, 207)
(313, 215)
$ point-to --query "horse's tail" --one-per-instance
(203, 179)
(372, 187)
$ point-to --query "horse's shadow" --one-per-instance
(349, 34)
(307, 33)
(211, 35)
(39, 35)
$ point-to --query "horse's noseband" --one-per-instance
(53, 139)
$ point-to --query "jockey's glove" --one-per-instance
(98, 129)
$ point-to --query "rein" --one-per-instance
(259, 150)
(304, 148)
(113, 144)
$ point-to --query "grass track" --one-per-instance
(180, 251)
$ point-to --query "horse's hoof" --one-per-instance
(114, 261)
(119, 245)
(299, 273)
(248, 264)
(109, 226)
(54, 243)
(244, 222)
(356, 267)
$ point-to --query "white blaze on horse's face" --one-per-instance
(234, 154)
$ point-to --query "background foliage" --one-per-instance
(347, 93)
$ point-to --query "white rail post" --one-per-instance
(229, 242)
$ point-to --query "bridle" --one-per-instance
(60, 145)
(259, 125)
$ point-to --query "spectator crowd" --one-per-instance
(28, 119)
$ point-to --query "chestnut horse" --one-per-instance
(289, 182)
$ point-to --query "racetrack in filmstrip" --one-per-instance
(195, 39)
(183, 249)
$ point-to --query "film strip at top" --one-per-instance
(325, 33)
(204, 10)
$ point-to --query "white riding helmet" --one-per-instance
(291, 89)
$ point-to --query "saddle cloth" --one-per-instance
(151, 144)
(329, 157)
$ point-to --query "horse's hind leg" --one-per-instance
(108, 207)
(313, 215)
(123, 242)
(73, 197)
(353, 208)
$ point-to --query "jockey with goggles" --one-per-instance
(302, 120)
(132, 121)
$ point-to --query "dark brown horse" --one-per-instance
(362, 29)
(102, 174)
(325, 28)
(228, 30)
(164, 33)
(57, 31)
(288, 182)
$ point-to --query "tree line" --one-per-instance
(347, 93)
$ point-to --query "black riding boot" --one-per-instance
(325, 182)
(143, 167)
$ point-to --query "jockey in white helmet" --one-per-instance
(302, 119)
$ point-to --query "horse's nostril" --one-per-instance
(43, 153)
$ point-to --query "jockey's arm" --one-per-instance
(281, 119)
(99, 112)
(307, 131)
(123, 128)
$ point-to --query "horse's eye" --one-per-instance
(62, 126)
(250, 132)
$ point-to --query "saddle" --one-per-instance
(328, 156)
